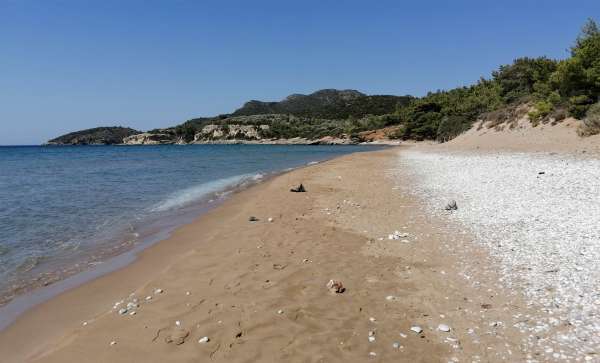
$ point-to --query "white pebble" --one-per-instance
(122, 311)
(443, 327)
(178, 323)
(396, 345)
(416, 329)
(203, 340)
(158, 291)
(113, 343)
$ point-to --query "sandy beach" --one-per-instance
(419, 285)
(258, 290)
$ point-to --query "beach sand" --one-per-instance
(258, 290)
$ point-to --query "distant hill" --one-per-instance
(95, 136)
(329, 104)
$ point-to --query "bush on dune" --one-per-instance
(591, 122)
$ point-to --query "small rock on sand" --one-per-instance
(122, 311)
(416, 329)
(298, 189)
(443, 327)
(396, 345)
(203, 340)
(451, 206)
(158, 291)
(336, 286)
(113, 343)
(252, 219)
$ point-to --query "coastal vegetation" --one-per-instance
(556, 89)
(552, 89)
(95, 136)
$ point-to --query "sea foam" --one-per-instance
(188, 196)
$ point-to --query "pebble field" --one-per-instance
(538, 216)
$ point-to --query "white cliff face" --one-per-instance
(147, 138)
(229, 132)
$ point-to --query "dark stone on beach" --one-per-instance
(541, 173)
(298, 189)
(253, 219)
(451, 206)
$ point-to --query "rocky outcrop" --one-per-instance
(95, 136)
(148, 138)
(317, 118)
(230, 132)
(291, 141)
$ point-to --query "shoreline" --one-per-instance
(221, 267)
(32, 295)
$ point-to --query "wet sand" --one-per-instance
(258, 290)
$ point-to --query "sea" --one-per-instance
(68, 209)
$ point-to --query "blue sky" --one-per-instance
(69, 65)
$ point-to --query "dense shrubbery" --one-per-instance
(328, 104)
(572, 84)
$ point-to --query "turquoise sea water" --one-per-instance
(65, 209)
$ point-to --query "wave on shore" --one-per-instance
(202, 191)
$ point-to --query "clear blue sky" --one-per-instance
(69, 65)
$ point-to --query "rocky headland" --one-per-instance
(318, 118)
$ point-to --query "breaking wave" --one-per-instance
(188, 196)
